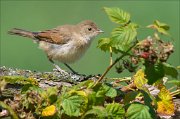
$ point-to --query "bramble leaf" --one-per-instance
(97, 97)
(115, 111)
(96, 112)
(170, 70)
(139, 79)
(154, 72)
(122, 37)
(149, 100)
(160, 27)
(130, 96)
(165, 102)
(117, 15)
(73, 105)
(138, 111)
(52, 93)
(175, 82)
(104, 44)
(82, 84)
(110, 91)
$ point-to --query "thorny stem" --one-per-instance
(110, 66)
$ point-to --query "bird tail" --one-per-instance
(21, 32)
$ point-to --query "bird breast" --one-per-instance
(65, 53)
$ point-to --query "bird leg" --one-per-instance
(57, 67)
(71, 69)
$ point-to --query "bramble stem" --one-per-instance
(172, 88)
(110, 66)
(111, 60)
(121, 79)
(177, 92)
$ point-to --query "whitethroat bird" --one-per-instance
(66, 43)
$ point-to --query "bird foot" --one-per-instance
(57, 68)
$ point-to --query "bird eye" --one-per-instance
(89, 29)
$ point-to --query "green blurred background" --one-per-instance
(22, 53)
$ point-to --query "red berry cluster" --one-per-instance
(152, 50)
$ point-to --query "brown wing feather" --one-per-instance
(55, 36)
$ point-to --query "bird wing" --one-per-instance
(56, 36)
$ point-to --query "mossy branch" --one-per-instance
(15, 79)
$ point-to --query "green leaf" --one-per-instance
(175, 82)
(96, 112)
(148, 100)
(130, 96)
(160, 27)
(101, 93)
(122, 37)
(36, 88)
(104, 44)
(97, 96)
(94, 99)
(115, 111)
(82, 84)
(117, 15)
(19, 80)
(154, 72)
(26, 88)
(170, 70)
(72, 105)
(138, 111)
(52, 93)
(110, 91)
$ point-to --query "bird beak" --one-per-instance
(100, 31)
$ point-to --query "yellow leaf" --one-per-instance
(139, 79)
(49, 111)
(82, 93)
(165, 102)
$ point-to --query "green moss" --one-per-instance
(19, 80)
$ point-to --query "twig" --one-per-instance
(172, 88)
(175, 93)
(129, 87)
(111, 60)
(121, 79)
